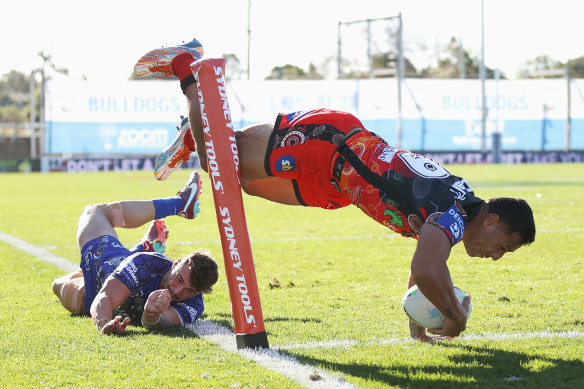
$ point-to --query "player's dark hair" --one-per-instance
(517, 216)
(204, 272)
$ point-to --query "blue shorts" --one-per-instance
(99, 258)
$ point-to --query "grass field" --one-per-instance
(331, 284)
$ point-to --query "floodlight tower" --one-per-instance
(399, 68)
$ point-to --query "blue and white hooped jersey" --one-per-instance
(140, 272)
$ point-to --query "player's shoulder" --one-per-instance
(149, 259)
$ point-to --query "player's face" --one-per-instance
(179, 284)
(493, 241)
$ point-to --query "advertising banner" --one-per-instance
(140, 117)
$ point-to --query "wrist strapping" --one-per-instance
(148, 322)
(187, 81)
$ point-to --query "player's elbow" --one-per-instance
(420, 272)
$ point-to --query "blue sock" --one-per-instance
(167, 207)
(137, 249)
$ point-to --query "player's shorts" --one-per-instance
(301, 149)
(99, 258)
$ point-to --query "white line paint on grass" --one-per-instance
(272, 359)
(464, 338)
(39, 252)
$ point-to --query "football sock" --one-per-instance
(158, 247)
(182, 69)
(137, 249)
(167, 207)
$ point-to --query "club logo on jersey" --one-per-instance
(286, 163)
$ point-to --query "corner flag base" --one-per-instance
(259, 340)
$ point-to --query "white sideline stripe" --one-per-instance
(271, 359)
(39, 252)
(464, 338)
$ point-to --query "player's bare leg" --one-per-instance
(252, 143)
(70, 289)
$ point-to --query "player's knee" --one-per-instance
(71, 294)
(57, 286)
(249, 188)
(91, 209)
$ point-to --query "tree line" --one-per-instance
(453, 61)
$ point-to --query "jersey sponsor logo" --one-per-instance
(286, 163)
(387, 154)
(192, 312)
(131, 270)
(460, 189)
(453, 223)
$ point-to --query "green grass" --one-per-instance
(323, 276)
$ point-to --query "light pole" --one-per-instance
(482, 74)
(400, 62)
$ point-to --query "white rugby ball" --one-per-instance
(423, 312)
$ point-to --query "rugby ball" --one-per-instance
(423, 312)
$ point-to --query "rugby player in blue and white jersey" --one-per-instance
(117, 286)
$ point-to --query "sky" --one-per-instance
(102, 40)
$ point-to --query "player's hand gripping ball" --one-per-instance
(423, 312)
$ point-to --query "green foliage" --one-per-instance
(13, 114)
(293, 72)
(14, 97)
(577, 67)
(334, 277)
(15, 81)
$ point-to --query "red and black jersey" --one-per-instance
(334, 161)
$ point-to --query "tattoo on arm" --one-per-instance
(416, 332)
(448, 313)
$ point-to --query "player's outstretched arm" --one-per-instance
(432, 276)
(112, 295)
(157, 311)
(418, 332)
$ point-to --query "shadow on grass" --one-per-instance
(226, 321)
(475, 366)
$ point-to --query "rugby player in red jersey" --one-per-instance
(326, 158)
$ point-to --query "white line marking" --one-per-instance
(288, 366)
(272, 359)
(39, 252)
(464, 338)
